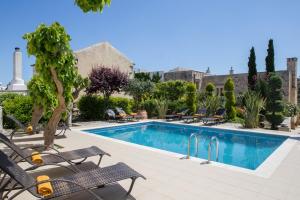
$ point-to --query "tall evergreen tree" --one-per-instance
(275, 106)
(252, 71)
(270, 66)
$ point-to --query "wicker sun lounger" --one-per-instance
(62, 127)
(177, 116)
(72, 157)
(65, 185)
(196, 117)
(217, 118)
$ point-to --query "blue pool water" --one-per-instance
(242, 149)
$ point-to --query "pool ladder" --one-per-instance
(212, 139)
(196, 136)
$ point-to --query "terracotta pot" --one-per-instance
(143, 113)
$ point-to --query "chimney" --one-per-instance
(293, 90)
(17, 82)
(231, 71)
(208, 71)
(17, 60)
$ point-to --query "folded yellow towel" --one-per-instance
(36, 158)
(198, 115)
(44, 189)
(218, 116)
(29, 129)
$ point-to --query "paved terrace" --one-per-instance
(170, 178)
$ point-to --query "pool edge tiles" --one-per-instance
(264, 169)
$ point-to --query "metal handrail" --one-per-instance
(213, 138)
(195, 135)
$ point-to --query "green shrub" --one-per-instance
(140, 91)
(230, 99)
(6, 96)
(149, 104)
(170, 90)
(20, 107)
(290, 110)
(161, 107)
(213, 103)
(274, 107)
(254, 103)
(92, 107)
(201, 100)
(124, 103)
(191, 97)
(176, 106)
(210, 89)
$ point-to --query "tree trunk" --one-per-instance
(52, 124)
(37, 114)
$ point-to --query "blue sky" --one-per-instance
(163, 34)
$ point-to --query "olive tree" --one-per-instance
(56, 73)
(92, 5)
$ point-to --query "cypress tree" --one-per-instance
(230, 99)
(252, 71)
(270, 66)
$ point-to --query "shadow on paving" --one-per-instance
(30, 139)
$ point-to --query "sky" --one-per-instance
(162, 34)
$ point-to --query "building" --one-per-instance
(201, 79)
(102, 54)
(289, 77)
(185, 74)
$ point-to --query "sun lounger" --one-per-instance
(217, 118)
(72, 157)
(196, 117)
(130, 117)
(20, 127)
(177, 116)
(63, 186)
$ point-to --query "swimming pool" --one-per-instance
(237, 148)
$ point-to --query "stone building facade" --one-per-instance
(201, 79)
(102, 54)
(289, 81)
(186, 75)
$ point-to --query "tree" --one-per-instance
(142, 76)
(270, 66)
(252, 72)
(275, 106)
(92, 5)
(170, 90)
(156, 78)
(210, 89)
(56, 72)
(107, 81)
(139, 90)
(191, 97)
(230, 99)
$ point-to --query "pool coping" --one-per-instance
(265, 170)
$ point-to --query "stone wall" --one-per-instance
(241, 81)
(189, 75)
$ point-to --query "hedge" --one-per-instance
(17, 105)
(92, 107)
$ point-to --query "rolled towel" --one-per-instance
(36, 158)
(29, 129)
(44, 189)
